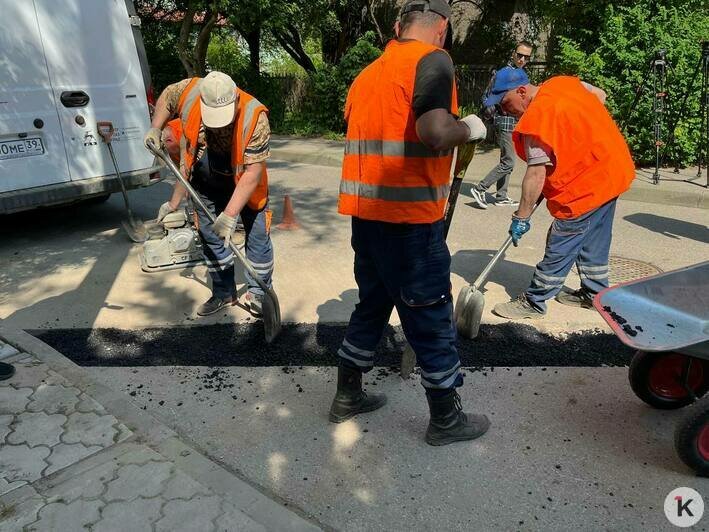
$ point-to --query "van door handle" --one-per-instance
(74, 98)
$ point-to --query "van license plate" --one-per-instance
(16, 149)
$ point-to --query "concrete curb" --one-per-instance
(320, 157)
(273, 515)
(644, 193)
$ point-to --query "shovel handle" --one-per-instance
(462, 156)
(195, 197)
(495, 259)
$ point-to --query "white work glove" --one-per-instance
(224, 226)
(165, 209)
(154, 137)
(478, 131)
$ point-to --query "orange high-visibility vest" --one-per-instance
(176, 128)
(592, 160)
(388, 174)
(248, 111)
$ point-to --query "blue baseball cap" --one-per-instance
(506, 79)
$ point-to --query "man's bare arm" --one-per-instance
(439, 130)
(161, 114)
(532, 185)
(596, 91)
(248, 182)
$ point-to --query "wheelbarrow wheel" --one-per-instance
(656, 378)
(692, 438)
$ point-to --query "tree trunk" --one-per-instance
(200, 49)
(290, 41)
(253, 39)
(184, 41)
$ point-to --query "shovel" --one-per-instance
(471, 301)
(135, 227)
(461, 159)
(271, 310)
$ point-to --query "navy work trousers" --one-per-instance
(584, 241)
(216, 192)
(406, 266)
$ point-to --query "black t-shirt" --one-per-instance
(433, 87)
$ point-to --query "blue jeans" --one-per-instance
(501, 173)
(406, 266)
(216, 193)
(585, 241)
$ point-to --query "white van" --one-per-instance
(64, 65)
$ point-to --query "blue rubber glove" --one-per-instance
(518, 227)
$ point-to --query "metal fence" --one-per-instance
(473, 80)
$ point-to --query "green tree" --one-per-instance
(617, 54)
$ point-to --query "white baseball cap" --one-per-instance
(218, 93)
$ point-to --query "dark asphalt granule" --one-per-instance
(508, 344)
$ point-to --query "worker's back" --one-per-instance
(388, 173)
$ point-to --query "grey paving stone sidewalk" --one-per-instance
(68, 463)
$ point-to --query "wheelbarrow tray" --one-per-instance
(665, 312)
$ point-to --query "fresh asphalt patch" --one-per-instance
(504, 345)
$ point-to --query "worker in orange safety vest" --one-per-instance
(223, 147)
(579, 161)
(402, 126)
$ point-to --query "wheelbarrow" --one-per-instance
(666, 319)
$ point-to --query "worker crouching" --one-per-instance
(223, 136)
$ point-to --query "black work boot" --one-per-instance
(449, 423)
(214, 305)
(6, 371)
(350, 400)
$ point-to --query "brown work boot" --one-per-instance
(350, 400)
(449, 423)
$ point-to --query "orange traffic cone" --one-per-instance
(289, 222)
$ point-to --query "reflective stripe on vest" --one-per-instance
(190, 100)
(388, 174)
(249, 109)
(386, 193)
(391, 148)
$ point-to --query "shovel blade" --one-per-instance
(136, 230)
(469, 311)
(408, 362)
(271, 316)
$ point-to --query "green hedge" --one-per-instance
(627, 40)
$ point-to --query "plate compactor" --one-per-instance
(172, 243)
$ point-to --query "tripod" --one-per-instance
(703, 145)
(657, 69)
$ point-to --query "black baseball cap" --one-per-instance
(439, 7)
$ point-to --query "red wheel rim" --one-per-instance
(665, 378)
(703, 443)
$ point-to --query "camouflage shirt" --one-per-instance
(220, 140)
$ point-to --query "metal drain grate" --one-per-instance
(622, 270)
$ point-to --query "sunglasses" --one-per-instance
(523, 56)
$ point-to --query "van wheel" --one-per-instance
(97, 200)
